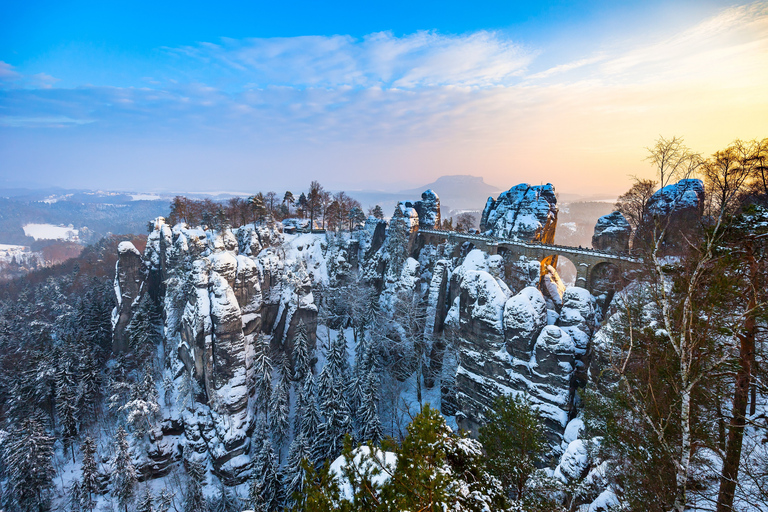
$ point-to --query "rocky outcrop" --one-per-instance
(526, 213)
(676, 208)
(129, 277)
(406, 213)
(506, 346)
(217, 288)
(525, 315)
(428, 210)
(424, 213)
(612, 233)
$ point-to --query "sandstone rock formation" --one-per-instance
(424, 213)
(612, 233)
(428, 209)
(677, 209)
(526, 213)
(128, 281)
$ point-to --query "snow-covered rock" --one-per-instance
(612, 233)
(577, 317)
(525, 315)
(128, 283)
(679, 207)
(428, 209)
(573, 463)
(524, 212)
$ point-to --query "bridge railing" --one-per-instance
(531, 245)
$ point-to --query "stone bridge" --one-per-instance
(586, 261)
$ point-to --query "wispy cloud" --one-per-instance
(422, 103)
(422, 59)
(36, 122)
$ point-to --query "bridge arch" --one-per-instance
(570, 269)
(606, 277)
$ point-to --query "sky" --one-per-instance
(246, 96)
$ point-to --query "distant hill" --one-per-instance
(457, 192)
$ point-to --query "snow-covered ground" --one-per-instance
(7, 252)
(145, 197)
(51, 232)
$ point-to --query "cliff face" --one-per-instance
(510, 343)
(220, 292)
(522, 213)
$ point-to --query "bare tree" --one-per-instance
(633, 203)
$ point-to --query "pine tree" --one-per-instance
(267, 472)
(75, 497)
(280, 407)
(255, 495)
(28, 460)
(262, 369)
(124, 471)
(295, 475)
(165, 500)
(309, 426)
(334, 405)
(146, 501)
(301, 359)
(88, 390)
(513, 437)
(194, 498)
(143, 329)
(88, 483)
(66, 408)
(368, 415)
(225, 502)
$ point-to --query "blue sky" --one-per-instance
(169, 96)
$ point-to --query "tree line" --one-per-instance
(324, 209)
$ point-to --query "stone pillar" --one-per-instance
(582, 275)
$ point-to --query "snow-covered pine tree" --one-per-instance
(334, 404)
(88, 483)
(295, 475)
(75, 497)
(194, 498)
(89, 381)
(146, 501)
(255, 495)
(368, 415)
(165, 500)
(309, 427)
(262, 369)
(142, 407)
(28, 461)
(143, 329)
(301, 356)
(124, 472)
(267, 472)
(279, 406)
(66, 407)
(225, 501)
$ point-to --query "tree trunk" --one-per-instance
(730, 473)
(685, 451)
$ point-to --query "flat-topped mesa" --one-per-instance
(524, 212)
(612, 233)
